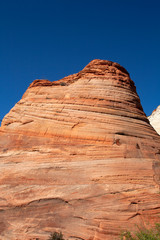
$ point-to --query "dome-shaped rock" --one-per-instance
(79, 155)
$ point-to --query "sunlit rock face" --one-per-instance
(79, 156)
(154, 119)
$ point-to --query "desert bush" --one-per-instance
(143, 234)
(56, 236)
(63, 84)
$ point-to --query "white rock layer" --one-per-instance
(154, 119)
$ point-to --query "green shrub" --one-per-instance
(143, 234)
(56, 236)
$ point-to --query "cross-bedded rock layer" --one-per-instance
(79, 155)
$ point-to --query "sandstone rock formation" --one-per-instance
(78, 155)
(154, 119)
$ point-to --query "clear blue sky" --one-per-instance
(54, 38)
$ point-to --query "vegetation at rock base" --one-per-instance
(56, 236)
(143, 234)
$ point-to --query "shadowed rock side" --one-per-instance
(155, 119)
(79, 155)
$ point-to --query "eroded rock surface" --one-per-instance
(78, 155)
(154, 119)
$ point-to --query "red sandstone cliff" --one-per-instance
(78, 155)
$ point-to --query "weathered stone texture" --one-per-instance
(78, 155)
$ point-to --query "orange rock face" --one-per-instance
(79, 156)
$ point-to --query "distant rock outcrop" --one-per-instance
(154, 119)
(78, 155)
